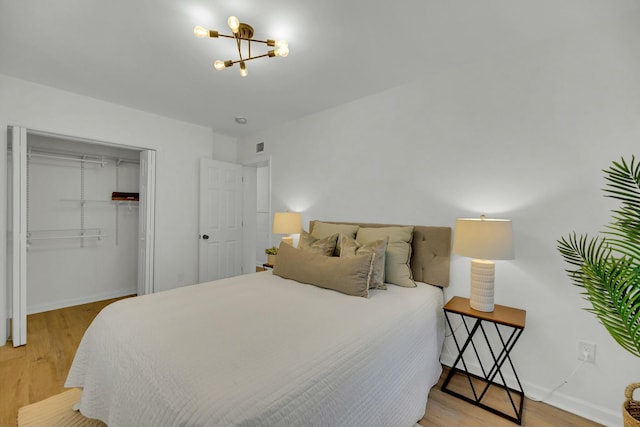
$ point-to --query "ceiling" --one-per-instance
(143, 54)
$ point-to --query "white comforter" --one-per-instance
(259, 350)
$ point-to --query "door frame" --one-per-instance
(249, 218)
(16, 261)
(249, 224)
(146, 222)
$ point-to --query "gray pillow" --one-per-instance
(398, 254)
(350, 247)
(347, 275)
(325, 246)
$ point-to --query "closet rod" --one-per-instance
(35, 151)
(101, 162)
(119, 161)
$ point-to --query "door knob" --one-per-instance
(205, 236)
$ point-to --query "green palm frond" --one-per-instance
(623, 184)
(608, 268)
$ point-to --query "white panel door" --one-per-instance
(18, 236)
(220, 220)
(146, 221)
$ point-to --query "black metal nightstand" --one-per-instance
(477, 386)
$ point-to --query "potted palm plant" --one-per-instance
(607, 268)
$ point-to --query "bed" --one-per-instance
(263, 350)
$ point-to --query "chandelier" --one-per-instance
(243, 35)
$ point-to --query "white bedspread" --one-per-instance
(259, 350)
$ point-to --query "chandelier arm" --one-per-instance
(249, 59)
(255, 57)
(258, 41)
(267, 42)
(239, 49)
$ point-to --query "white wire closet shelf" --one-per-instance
(65, 234)
(130, 203)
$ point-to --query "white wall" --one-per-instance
(179, 147)
(522, 136)
(225, 148)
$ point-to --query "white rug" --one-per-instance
(56, 411)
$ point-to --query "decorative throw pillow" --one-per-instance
(325, 246)
(324, 229)
(350, 247)
(347, 275)
(398, 254)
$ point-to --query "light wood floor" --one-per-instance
(38, 370)
(444, 410)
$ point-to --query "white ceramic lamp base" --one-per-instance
(482, 284)
(287, 240)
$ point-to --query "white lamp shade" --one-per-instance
(287, 223)
(483, 238)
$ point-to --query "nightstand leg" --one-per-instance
(498, 362)
(460, 358)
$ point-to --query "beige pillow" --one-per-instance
(398, 254)
(325, 246)
(347, 275)
(324, 229)
(350, 247)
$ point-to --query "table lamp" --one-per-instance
(484, 240)
(287, 223)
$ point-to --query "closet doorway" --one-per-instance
(81, 222)
(256, 213)
(263, 212)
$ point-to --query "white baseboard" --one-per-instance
(558, 399)
(585, 409)
(54, 305)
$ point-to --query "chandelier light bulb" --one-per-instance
(234, 24)
(219, 65)
(243, 70)
(200, 31)
(282, 48)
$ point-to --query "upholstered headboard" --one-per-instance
(430, 251)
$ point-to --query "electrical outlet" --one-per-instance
(587, 351)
